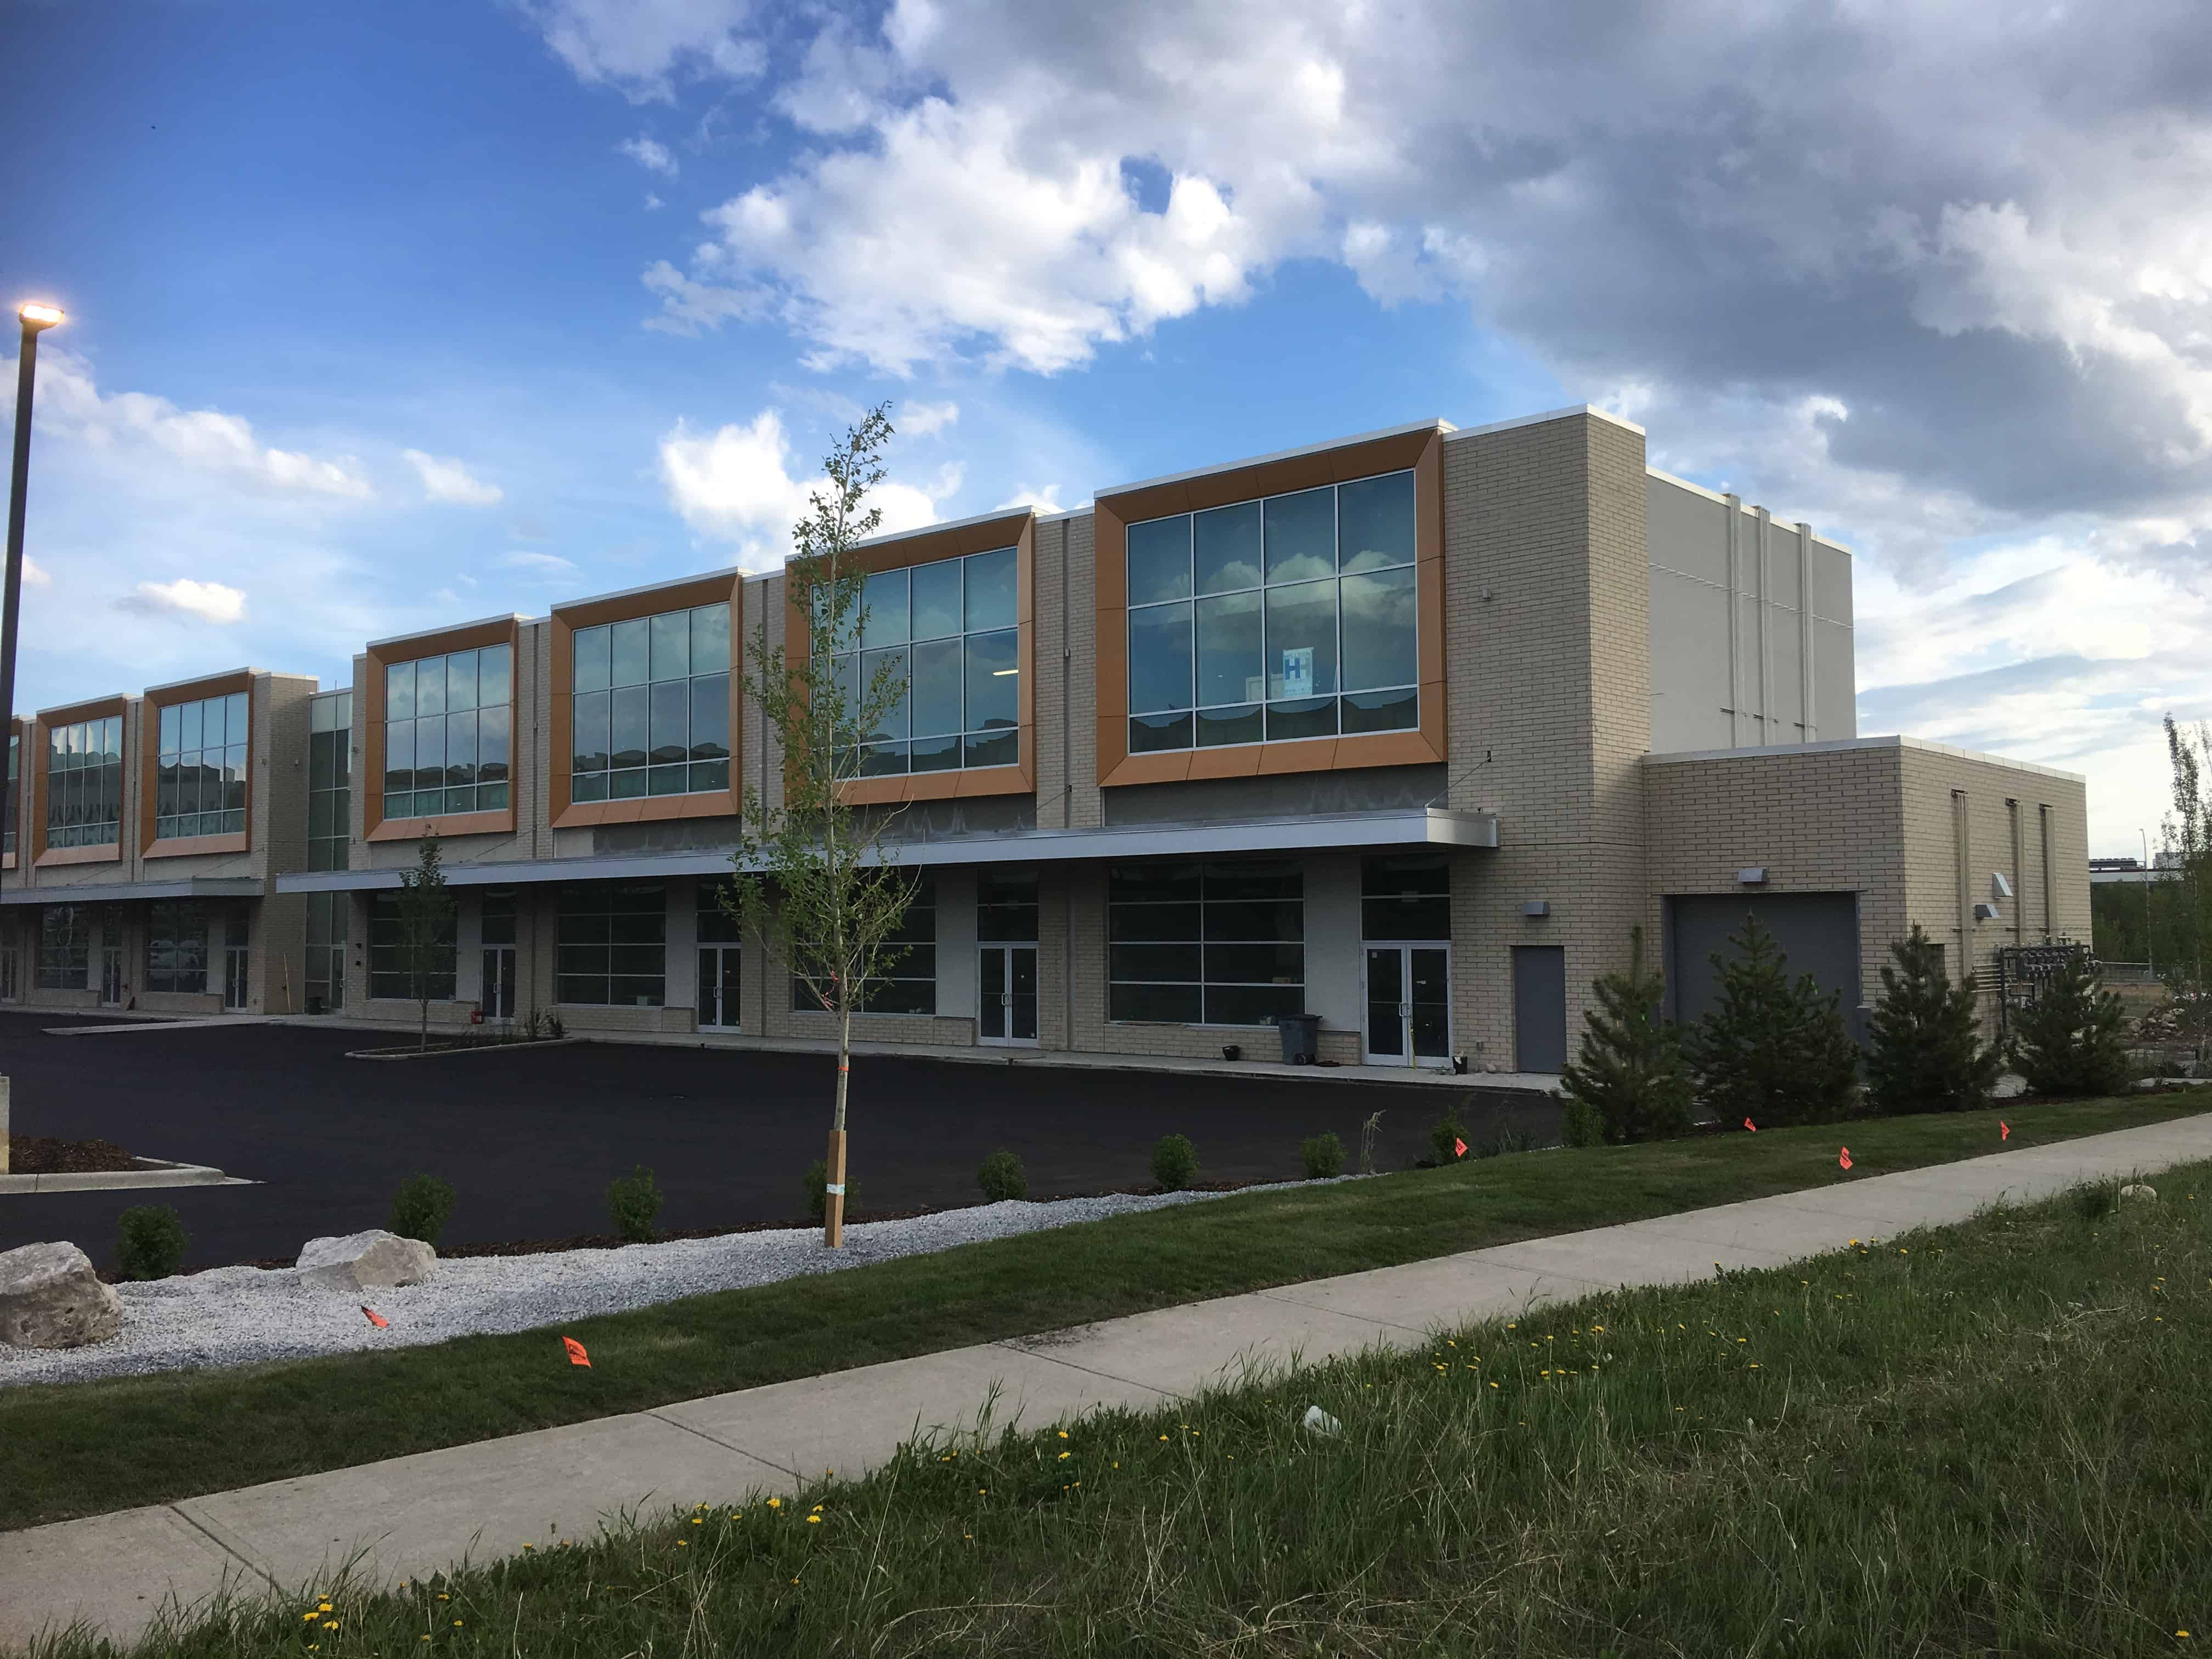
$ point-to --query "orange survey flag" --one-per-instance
(2004, 1130)
(1459, 1147)
(1843, 1157)
(374, 1317)
(1749, 1124)
(576, 1354)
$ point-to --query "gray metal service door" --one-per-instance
(1817, 932)
(1539, 1007)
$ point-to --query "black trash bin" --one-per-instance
(1301, 1037)
(315, 1004)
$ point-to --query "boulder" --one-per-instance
(50, 1297)
(362, 1260)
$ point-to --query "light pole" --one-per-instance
(36, 320)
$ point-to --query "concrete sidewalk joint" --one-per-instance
(410, 1516)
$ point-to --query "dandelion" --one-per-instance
(695, 1522)
(682, 1543)
(813, 1519)
(775, 1503)
(1063, 1434)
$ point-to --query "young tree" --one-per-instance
(815, 883)
(1927, 1053)
(426, 925)
(1773, 1049)
(2187, 844)
(2071, 1041)
(1631, 1074)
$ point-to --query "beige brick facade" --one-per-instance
(1548, 632)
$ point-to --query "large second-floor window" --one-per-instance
(84, 782)
(652, 706)
(15, 761)
(200, 789)
(448, 733)
(1288, 618)
(947, 631)
(330, 781)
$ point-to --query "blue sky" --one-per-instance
(385, 317)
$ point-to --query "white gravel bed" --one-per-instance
(246, 1316)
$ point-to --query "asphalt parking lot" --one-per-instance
(530, 1139)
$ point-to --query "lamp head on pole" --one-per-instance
(37, 316)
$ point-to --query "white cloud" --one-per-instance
(641, 47)
(200, 601)
(688, 307)
(444, 480)
(649, 154)
(547, 565)
(1046, 500)
(921, 420)
(34, 573)
(125, 423)
(736, 484)
(653, 203)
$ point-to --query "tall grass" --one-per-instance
(1986, 1438)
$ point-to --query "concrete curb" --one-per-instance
(151, 1172)
(474, 1048)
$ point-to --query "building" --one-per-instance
(1407, 731)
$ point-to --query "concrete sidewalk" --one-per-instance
(410, 1516)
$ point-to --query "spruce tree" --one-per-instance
(1631, 1074)
(1771, 1048)
(1927, 1053)
(2070, 1042)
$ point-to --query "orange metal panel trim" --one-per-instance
(1423, 451)
(108, 853)
(149, 758)
(369, 698)
(498, 822)
(183, 846)
(562, 812)
(1015, 530)
(33, 757)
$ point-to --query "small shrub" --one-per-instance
(1323, 1156)
(633, 1202)
(2093, 1200)
(1504, 1142)
(555, 1027)
(1583, 1127)
(1175, 1163)
(1002, 1178)
(818, 1191)
(149, 1242)
(1925, 1051)
(419, 1208)
(1631, 1075)
(2071, 1042)
(1444, 1134)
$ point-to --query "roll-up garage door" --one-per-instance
(1817, 932)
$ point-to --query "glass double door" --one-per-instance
(495, 990)
(1006, 1011)
(1408, 992)
(237, 986)
(718, 987)
(111, 974)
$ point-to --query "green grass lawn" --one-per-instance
(86, 1449)
(1986, 1438)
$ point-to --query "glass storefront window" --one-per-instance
(199, 787)
(650, 706)
(448, 733)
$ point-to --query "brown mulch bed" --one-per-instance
(51, 1155)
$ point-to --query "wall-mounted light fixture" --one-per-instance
(1985, 912)
(1752, 875)
(1535, 908)
(1999, 887)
